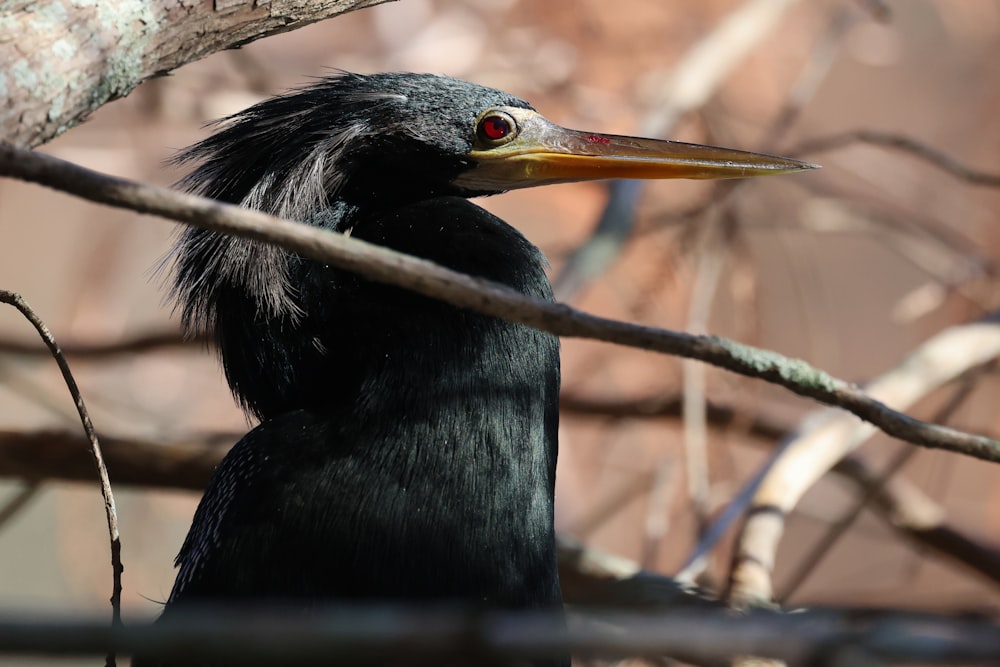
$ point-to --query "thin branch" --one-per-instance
(821, 549)
(814, 72)
(143, 342)
(656, 526)
(386, 266)
(903, 143)
(110, 510)
(950, 259)
(715, 246)
(27, 386)
(394, 635)
(817, 67)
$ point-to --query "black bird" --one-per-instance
(407, 448)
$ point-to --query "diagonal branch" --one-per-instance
(828, 437)
(385, 266)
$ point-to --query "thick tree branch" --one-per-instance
(188, 464)
(60, 60)
(383, 265)
(61, 455)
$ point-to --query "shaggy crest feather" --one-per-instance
(279, 157)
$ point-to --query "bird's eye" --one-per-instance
(495, 128)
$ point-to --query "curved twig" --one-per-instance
(110, 510)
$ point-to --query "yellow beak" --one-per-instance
(539, 152)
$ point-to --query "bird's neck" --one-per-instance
(453, 415)
(315, 344)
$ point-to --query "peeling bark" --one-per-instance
(62, 59)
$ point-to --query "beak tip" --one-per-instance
(791, 166)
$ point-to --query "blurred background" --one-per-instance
(850, 268)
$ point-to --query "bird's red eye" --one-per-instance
(495, 127)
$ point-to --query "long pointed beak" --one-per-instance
(542, 153)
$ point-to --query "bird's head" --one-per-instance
(387, 139)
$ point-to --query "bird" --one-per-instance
(406, 448)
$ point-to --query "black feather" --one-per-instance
(407, 450)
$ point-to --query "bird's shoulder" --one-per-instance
(255, 479)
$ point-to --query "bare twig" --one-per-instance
(814, 72)
(145, 342)
(839, 528)
(919, 519)
(111, 512)
(657, 521)
(31, 389)
(705, 66)
(903, 143)
(383, 265)
(715, 248)
(950, 259)
(393, 635)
